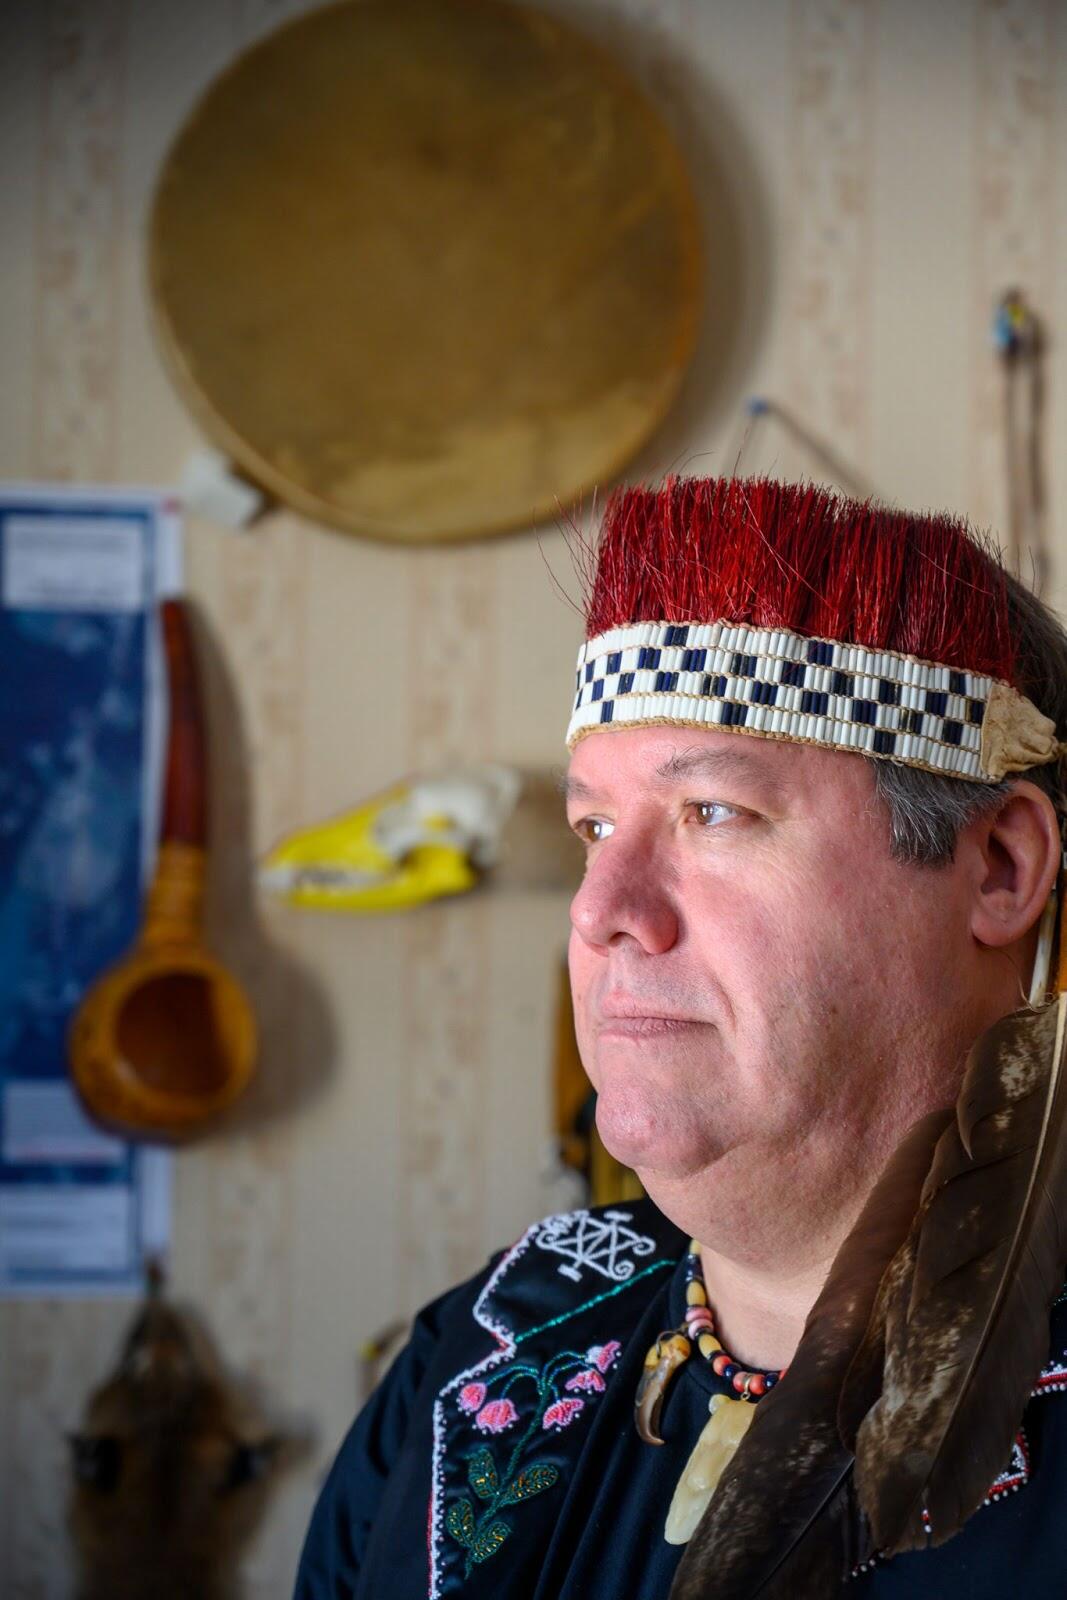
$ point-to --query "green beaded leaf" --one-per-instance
(529, 1482)
(489, 1541)
(460, 1524)
(481, 1473)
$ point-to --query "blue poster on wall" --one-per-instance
(81, 736)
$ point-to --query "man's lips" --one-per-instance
(644, 1027)
(631, 1019)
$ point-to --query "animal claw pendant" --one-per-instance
(722, 1433)
(670, 1351)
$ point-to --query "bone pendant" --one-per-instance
(721, 1435)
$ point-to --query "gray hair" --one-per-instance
(927, 812)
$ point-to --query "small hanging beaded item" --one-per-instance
(728, 1420)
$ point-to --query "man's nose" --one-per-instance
(625, 894)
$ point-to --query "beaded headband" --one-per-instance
(781, 686)
(778, 682)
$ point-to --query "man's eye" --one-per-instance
(591, 830)
(710, 812)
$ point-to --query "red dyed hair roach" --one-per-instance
(797, 557)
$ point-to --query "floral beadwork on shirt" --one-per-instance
(507, 1427)
(544, 1401)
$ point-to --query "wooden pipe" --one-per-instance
(165, 1039)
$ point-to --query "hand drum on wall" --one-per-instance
(426, 269)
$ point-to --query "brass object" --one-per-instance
(426, 269)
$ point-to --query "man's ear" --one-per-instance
(1017, 859)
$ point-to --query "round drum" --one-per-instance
(426, 269)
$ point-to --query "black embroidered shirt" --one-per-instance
(499, 1457)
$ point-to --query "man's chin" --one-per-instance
(649, 1144)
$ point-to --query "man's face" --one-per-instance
(755, 979)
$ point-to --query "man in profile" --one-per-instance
(817, 772)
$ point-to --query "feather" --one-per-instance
(782, 1522)
(967, 1301)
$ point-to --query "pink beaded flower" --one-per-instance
(471, 1396)
(562, 1414)
(500, 1414)
(588, 1378)
(604, 1356)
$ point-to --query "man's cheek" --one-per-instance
(584, 1031)
(585, 1034)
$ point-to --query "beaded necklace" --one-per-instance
(700, 1327)
(674, 1348)
(728, 1415)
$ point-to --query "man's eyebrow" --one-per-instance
(573, 788)
(699, 763)
(686, 765)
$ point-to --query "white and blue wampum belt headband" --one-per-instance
(779, 685)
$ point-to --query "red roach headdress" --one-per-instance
(784, 611)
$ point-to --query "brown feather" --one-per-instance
(782, 1523)
(966, 1303)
